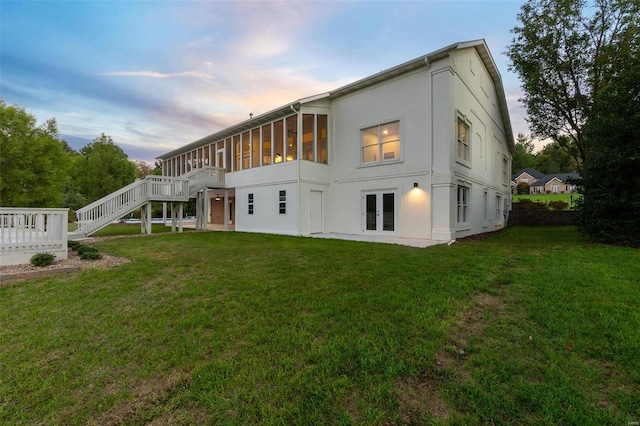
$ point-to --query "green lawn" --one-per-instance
(529, 326)
(570, 199)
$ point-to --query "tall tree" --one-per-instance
(34, 163)
(554, 159)
(610, 207)
(561, 51)
(524, 156)
(103, 168)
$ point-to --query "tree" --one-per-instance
(554, 159)
(524, 156)
(609, 210)
(142, 169)
(34, 163)
(102, 168)
(561, 52)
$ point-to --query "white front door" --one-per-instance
(379, 212)
(315, 212)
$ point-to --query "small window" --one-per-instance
(381, 143)
(463, 205)
(250, 203)
(283, 202)
(498, 209)
(462, 141)
(505, 163)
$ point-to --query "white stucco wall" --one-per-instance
(406, 99)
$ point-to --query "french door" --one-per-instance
(379, 212)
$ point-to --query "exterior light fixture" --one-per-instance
(415, 184)
(217, 197)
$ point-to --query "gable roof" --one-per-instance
(562, 177)
(531, 172)
(423, 61)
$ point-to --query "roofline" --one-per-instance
(422, 61)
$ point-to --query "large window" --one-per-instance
(270, 143)
(307, 137)
(463, 205)
(321, 130)
(278, 132)
(292, 138)
(381, 143)
(462, 141)
(266, 144)
(236, 152)
(246, 151)
(255, 147)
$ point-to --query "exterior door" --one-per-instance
(379, 212)
(315, 212)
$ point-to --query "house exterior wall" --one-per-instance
(404, 99)
(425, 176)
(487, 173)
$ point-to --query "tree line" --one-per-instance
(579, 64)
(39, 169)
(552, 158)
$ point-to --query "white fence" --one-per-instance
(27, 231)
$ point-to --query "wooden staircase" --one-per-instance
(140, 193)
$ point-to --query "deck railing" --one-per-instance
(206, 177)
(28, 231)
(112, 207)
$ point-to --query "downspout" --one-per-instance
(298, 151)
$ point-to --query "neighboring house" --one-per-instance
(421, 150)
(539, 183)
(558, 183)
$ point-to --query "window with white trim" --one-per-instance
(463, 152)
(498, 209)
(381, 143)
(283, 202)
(463, 205)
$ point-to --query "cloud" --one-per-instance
(193, 74)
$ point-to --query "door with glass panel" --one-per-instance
(379, 212)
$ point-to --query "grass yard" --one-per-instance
(527, 326)
(570, 199)
(133, 229)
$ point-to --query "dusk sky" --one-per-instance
(156, 75)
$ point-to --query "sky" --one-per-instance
(155, 75)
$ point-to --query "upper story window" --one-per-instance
(381, 143)
(463, 152)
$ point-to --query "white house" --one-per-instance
(421, 150)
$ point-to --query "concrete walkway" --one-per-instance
(411, 242)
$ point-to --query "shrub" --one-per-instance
(558, 204)
(527, 204)
(86, 249)
(95, 254)
(522, 188)
(42, 259)
(73, 245)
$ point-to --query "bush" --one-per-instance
(85, 252)
(527, 204)
(42, 259)
(558, 205)
(90, 255)
(522, 188)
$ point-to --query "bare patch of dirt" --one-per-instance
(421, 397)
(144, 396)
